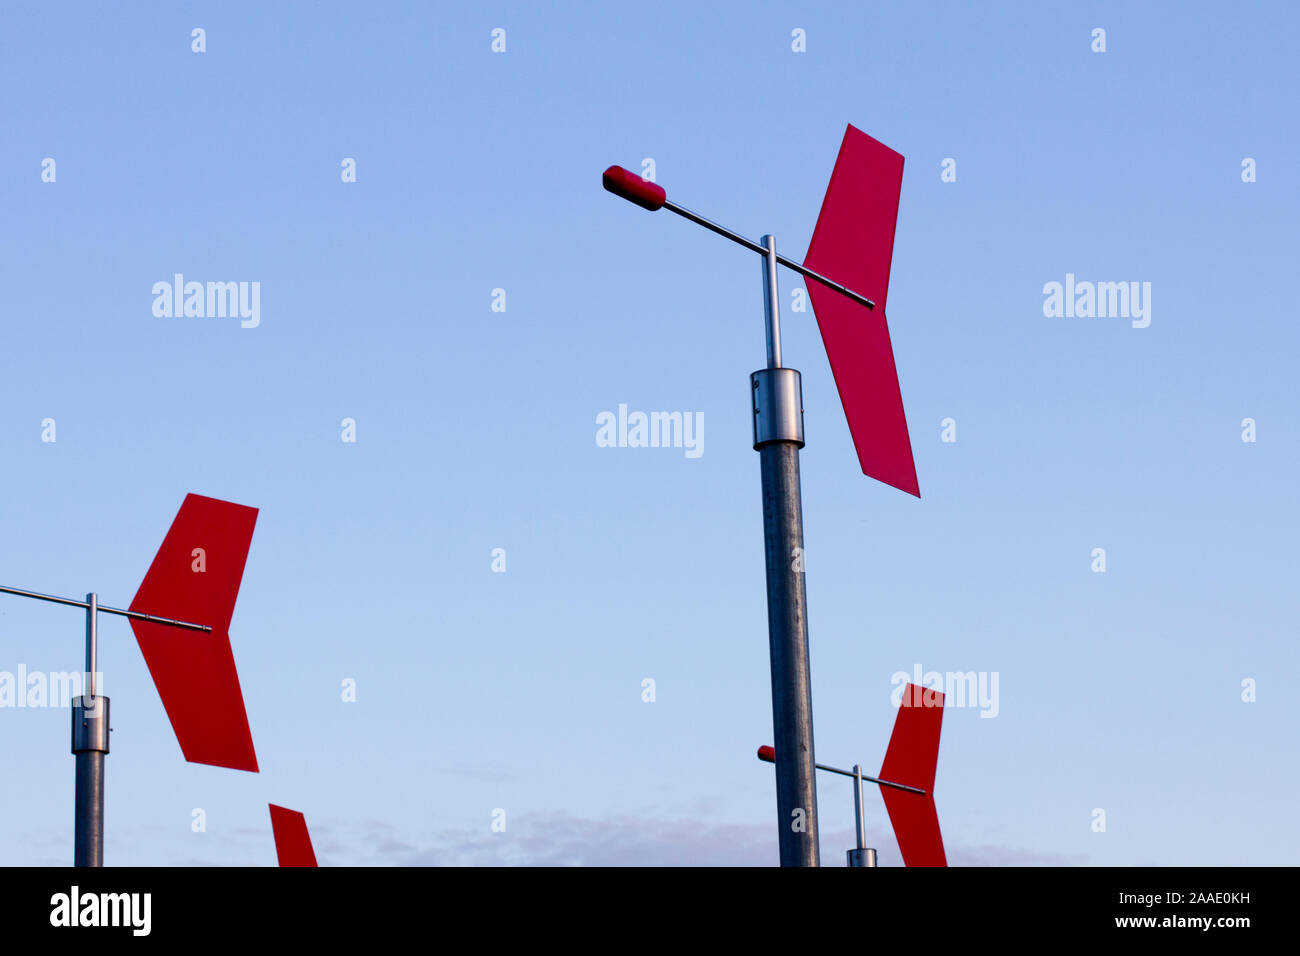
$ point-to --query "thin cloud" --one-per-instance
(562, 839)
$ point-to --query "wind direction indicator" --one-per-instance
(191, 586)
(848, 262)
(911, 756)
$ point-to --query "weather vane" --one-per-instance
(848, 264)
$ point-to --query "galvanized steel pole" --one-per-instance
(778, 436)
(861, 855)
(90, 747)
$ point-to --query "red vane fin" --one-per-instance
(910, 759)
(853, 244)
(292, 841)
(195, 577)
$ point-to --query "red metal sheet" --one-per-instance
(292, 841)
(910, 759)
(195, 577)
(853, 244)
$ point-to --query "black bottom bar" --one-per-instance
(944, 911)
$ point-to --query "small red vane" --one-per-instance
(854, 245)
(195, 577)
(292, 841)
(910, 759)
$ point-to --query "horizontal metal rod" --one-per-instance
(134, 615)
(753, 246)
(736, 237)
(829, 283)
(883, 783)
(44, 597)
(169, 621)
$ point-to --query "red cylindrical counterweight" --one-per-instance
(625, 183)
(767, 753)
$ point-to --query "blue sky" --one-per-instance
(476, 429)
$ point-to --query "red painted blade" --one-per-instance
(292, 841)
(854, 245)
(911, 757)
(193, 671)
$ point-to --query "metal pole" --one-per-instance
(92, 640)
(778, 436)
(861, 855)
(90, 747)
(771, 304)
(858, 813)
